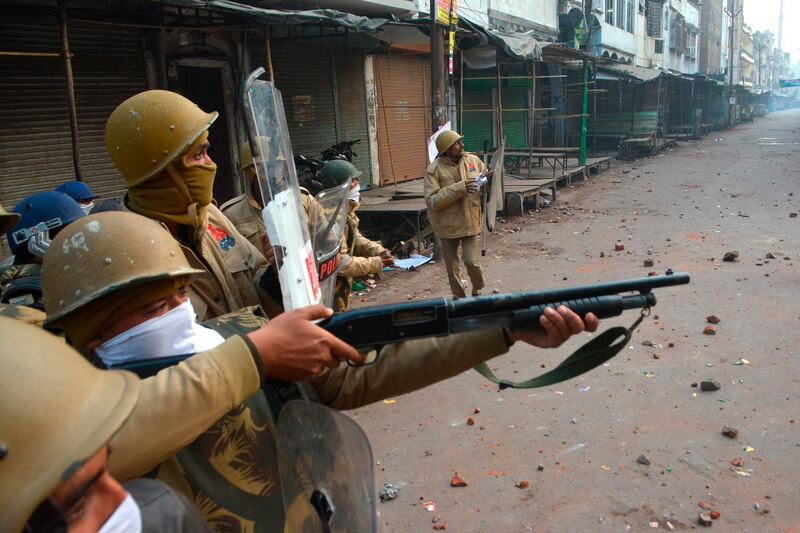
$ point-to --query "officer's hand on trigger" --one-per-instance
(293, 348)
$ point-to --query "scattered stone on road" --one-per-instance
(648, 263)
(643, 460)
(709, 386)
(730, 257)
(388, 492)
(731, 433)
(705, 519)
(713, 319)
(457, 481)
(619, 247)
(710, 330)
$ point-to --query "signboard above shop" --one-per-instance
(790, 83)
(447, 12)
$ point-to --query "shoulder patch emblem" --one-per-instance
(225, 241)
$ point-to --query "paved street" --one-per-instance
(732, 191)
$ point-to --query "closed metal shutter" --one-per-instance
(109, 67)
(304, 75)
(35, 149)
(515, 124)
(35, 139)
(478, 119)
(352, 97)
(402, 83)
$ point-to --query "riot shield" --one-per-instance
(283, 208)
(327, 221)
(494, 197)
(325, 465)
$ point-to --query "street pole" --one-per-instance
(584, 113)
(437, 72)
(732, 12)
(71, 100)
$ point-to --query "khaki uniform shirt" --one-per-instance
(233, 266)
(181, 402)
(452, 211)
(245, 213)
(361, 258)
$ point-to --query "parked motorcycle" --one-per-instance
(342, 150)
(307, 171)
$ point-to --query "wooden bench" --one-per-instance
(632, 147)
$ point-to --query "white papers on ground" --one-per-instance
(414, 261)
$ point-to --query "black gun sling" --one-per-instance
(592, 354)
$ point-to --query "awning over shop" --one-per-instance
(617, 70)
(480, 48)
(277, 17)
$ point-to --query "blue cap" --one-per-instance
(44, 211)
(77, 190)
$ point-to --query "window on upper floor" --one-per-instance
(630, 16)
(653, 13)
(610, 11)
(620, 14)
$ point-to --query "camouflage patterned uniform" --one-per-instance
(22, 285)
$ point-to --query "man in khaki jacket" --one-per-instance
(452, 195)
(158, 140)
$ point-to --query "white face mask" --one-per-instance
(174, 333)
(87, 207)
(127, 518)
(354, 195)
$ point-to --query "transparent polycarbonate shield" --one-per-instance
(283, 208)
(325, 465)
(327, 225)
(494, 201)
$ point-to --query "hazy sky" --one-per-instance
(763, 15)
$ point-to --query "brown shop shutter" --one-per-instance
(402, 83)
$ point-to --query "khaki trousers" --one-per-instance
(469, 247)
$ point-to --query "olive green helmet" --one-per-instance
(57, 412)
(447, 139)
(149, 130)
(336, 172)
(7, 220)
(246, 154)
(103, 253)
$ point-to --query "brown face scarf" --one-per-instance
(179, 194)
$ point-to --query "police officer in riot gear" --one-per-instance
(42, 216)
(158, 140)
(361, 256)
